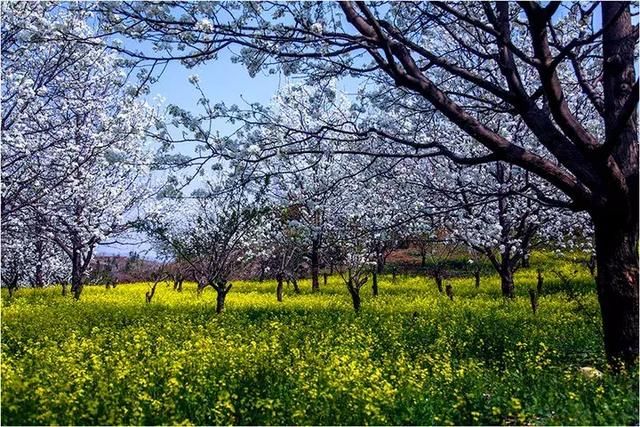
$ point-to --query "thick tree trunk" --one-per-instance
(355, 298)
(591, 265)
(525, 260)
(506, 283)
(374, 283)
(617, 283)
(76, 275)
(279, 288)
(315, 265)
(616, 223)
(380, 264)
(222, 292)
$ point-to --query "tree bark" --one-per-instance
(540, 282)
(315, 265)
(533, 299)
(506, 283)
(449, 291)
(279, 288)
(617, 283)
(221, 292)
(294, 282)
(76, 274)
(616, 220)
(380, 264)
(438, 277)
(374, 283)
(476, 274)
(525, 260)
(355, 298)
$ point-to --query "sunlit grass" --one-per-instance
(411, 356)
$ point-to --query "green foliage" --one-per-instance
(411, 356)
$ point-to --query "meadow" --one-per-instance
(411, 356)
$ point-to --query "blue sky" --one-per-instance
(222, 81)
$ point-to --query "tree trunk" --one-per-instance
(296, 288)
(380, 264)
(221, 295)
(279, 288)
(540, 282)
(374, 283)
(38, 279)
(64, 289)
(591, 265)
(449, 291)
(315, 265)
(326, 276)
(76, 275)
(476, 274)
(617, 283)
(533, 299)
(355, 298)
(506, 283)
(423, 260)
(438, 277)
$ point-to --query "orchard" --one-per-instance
(334, 213)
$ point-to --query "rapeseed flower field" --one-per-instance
(411, 356)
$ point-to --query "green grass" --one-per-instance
(410, 357)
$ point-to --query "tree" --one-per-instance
(212, 232)
(73, 151)
(30, 258)
(281, 246)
